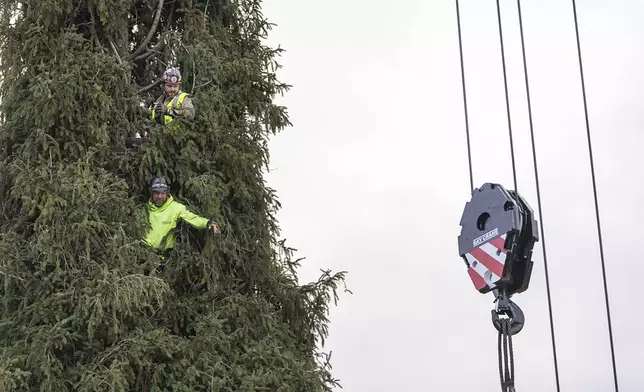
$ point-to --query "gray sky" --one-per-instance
(373, 178)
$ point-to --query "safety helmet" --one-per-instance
(159, 184)
(172, 75)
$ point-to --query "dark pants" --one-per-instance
(164, 257)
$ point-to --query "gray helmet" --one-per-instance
(159, 184)
(172, 75)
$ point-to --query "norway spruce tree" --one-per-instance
(83, 305)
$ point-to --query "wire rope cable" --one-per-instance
(467, 125)
(535, 163)
(507, 98)
(592, 172)
(536, 177)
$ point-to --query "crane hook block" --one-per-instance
(498, 232)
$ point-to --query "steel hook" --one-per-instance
(512, 311)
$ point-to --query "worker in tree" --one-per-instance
(174, 102)
(165, 213)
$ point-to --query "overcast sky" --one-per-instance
(373, 178)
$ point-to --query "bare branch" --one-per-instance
(152, 31)
(194, 76)
(92, 27)
(118, 57)
(149, 87)
(155, 49)
(205, 13)
(115, 51)
(200, 86)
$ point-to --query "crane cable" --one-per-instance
(536, 178)
(507, 97)
(592, 172)
(509, 373)
(506, 359)
(467, 122)
(507, 377)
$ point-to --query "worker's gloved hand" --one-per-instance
(212, 226)
(159, 112)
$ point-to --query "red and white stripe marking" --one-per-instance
(486, 263)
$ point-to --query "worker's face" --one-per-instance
(171, 89)
(158, 198)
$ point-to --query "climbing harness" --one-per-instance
(498, 233)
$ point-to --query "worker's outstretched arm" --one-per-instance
(197, 221)
(194, 220)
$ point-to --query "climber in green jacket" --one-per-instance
(165, 213)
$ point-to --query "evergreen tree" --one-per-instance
(83, 307)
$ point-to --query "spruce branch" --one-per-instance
(155, 49)
(151, 33)
(149, 87)
(220, 312)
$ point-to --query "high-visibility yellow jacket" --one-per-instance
(181, 104)
(163, 222)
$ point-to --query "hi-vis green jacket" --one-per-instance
(181, 104)
(163, 220)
